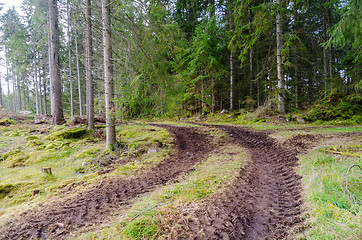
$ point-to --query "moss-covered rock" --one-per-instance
(70, 133)
(6, 121)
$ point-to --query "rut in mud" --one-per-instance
(58, 220)
(263, 203)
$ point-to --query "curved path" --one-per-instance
(58, 220)
(263, 203)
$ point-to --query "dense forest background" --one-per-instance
(184, 57)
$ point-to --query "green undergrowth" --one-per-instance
(75, 155)
(333, 199)
(338, 107)
(149, 215)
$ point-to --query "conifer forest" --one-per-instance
(181, 119)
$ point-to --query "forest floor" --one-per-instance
(177, 181)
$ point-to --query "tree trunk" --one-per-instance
(70, 63)
(14, 94)
(50, 69)
(330, 52)
(251, 77)
(281, 94)
(296, 66)
(19, 99)
(108, 78)
(45, 91)
(56, 89)
(36, 83)
(89, 77)
(78, 77)
(40, 93)
(8, 82)
(232, 82)
(1, 94)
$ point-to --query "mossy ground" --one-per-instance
(333, 198)
(75, 160)
(74, 155)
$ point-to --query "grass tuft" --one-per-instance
(334, 212)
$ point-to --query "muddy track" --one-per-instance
(58, 220)
(263, 203)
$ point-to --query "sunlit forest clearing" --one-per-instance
(180, 119)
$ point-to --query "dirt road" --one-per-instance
(58, 220)
(264, 202)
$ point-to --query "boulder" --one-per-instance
(300, 119)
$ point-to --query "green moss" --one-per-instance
(35, 143)
(14, 158)
(15, 133)
(32, 138)
(142, 228)
(138, 136)
(5, 189)
(6, 121)
(339, 107)
(72, 133)
(90, 152)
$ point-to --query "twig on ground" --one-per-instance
(158, 205)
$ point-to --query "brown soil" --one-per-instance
(302, 142)
(263, 203)
(57, 220)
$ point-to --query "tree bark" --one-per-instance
(78, 77)
(281, 94)
(19, 98)
(14, 93)
(251, 78)
(36, 82)
(108, 78)
(89, 77)
(70, 63)
(8, 82)
(232, 82)
(56, 89)
(45, 91)
(1, 94)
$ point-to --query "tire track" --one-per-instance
(58, 220)
(263, 203)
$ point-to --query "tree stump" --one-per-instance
(46, 170)
(36, 192)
